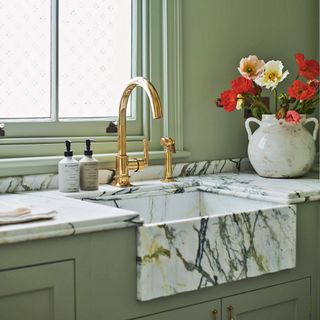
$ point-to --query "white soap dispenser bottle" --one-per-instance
(68, 171)
(89, 174)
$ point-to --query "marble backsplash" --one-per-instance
(50, 181)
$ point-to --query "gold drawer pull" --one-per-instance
(230, 313)
(215, 314)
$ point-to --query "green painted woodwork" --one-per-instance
(38, 293)
(105, 274)
(216, 34)
(35, 165)
(289, 301)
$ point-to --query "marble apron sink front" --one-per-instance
(193, 239)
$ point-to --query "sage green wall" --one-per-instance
(216, 34)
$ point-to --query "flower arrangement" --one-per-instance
(245, 92)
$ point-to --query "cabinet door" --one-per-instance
(202, 311)
(289, 301)
(44, 292)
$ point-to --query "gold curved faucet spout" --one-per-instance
(123, 164)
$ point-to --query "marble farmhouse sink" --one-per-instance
(191, 238)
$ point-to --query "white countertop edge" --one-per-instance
(279, 200)
(68, 230)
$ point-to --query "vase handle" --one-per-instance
(316, 126)
(247, 124)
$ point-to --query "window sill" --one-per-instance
(40, 165)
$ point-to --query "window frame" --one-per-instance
(50, 126)
(161, 51)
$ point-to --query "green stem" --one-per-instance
(260, 104)
(256, 86)
(315, 101)
(275, 100)
(296, 105)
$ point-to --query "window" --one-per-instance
(85, 61)
(64, 66)
(94, 56)
(24, 59)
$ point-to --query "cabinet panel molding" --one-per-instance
(38, 292)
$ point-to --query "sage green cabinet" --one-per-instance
(288, 301)
(44, 292)
(203, 311)
(105, 281)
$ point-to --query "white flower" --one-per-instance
(240, 102)
(272, 75)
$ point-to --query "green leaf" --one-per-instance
(257, 113)
(310, 110)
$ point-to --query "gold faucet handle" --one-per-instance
(168, 144)
(169, 147)
(140, 164)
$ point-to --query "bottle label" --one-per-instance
(89, 176)
(69, 177)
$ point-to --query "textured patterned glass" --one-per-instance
(24, 58)
(94, 56)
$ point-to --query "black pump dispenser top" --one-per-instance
(68, 152)
(88, 151)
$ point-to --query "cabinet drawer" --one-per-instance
(38, 293)
(288, 301)
(203, 311)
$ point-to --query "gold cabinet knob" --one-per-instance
(230, 313)
(214, 314)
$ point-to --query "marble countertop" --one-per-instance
(245, 185)
(76, 216)
(252, 186)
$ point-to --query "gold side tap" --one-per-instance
(169, 146)
(123, 164)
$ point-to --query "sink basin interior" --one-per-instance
(165, 207)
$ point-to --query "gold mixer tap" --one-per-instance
(123, 163)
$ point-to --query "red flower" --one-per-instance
(228, 99)
(292, 117)
(242, 85)
(301, 91)
(308, 69)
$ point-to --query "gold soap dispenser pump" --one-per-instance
(169, 147)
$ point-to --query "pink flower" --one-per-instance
(251, 67)
(314, 83)
(292, 117)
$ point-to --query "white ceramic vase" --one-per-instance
(278, 149)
